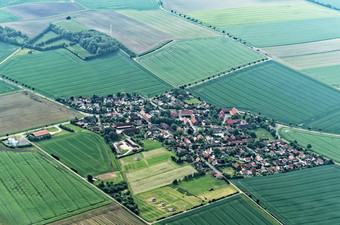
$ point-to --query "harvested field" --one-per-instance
(135, 35)
(223, 18)
(259, 89)
(22, 111)
(188, 61)
(102, 76)
(35, 189)
(328, 74)
(289, 32)
(36, 10)
(119, 4)
(168, 23)
(314, 199)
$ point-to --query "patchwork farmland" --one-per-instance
(188, 61)
(17, 2)
(313, 198)
(259, 89)
(327, 74)
(114, 73)
(234, 210)
(37, 190)
(119, 4)
(324, 144)
(6, 16)
(83, 151)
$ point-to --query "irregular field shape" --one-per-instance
(188, 61)
(60, 74)
(84, 151)
(235, 210)
(200, 5)
(5, 87)
(260, 89)
(262, 14)
(6, 16)
(37, 190)
(6, 50)
(289, 32)
(119, 4)
(36, 10)
(168, 23)
(314, 199)
(323, 144)
(135, 35)
(21, 112)
(328, 74)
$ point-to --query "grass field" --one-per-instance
(170, 24)
(37, 190)
(6, 16)
(263, 134)
(6, 50)
(262, 14)
(119, 4)
(36, 10)
(71, 25)
(102, 76)
(151, 144)
(314, 198)
(260, 89)
(288, 32)
(84, 151)
(327, 74)
(187, 61)
(323, 144)
(135, 35)
(46, 37)
(22, 111)
(237, 210)
(111, 214)
(5, 87)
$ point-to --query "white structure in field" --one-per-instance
(13, 142)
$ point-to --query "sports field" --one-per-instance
(187, 61)
(6, 16)
(237, 210)
(259, 89)
(119, 4)
(305, 196)
(37, 190)
(65, 75)
(84, 151)
(5, 87)
(36, 10)
(23, 111)
(135, 35)
(327, 74)
(164, 21)
(288, 32)
(223, 18)
(323, 144)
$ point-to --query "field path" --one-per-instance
(10, 56)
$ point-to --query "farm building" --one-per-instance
(41, 133)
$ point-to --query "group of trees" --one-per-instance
(12, 36)
(31, 137)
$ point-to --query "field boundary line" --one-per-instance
(10, 56)
(138, 217)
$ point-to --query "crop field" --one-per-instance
(328, 74)
(259, 89)
(314, 61)
(328, 122)
(35, 10)
(119, 4)
(237, 210)
(334, 3)
(112, 214)
(288, 32)
(71, 25)
(6, 16)
(314, 198)
(37, 190)
(135, 35)
(22, 111)
(5, 87)
(6, 50)
(17, 2)
(84, 151)
(102, 76)
(188, 61)
(170, 24)
(223, 18)
(327, 145)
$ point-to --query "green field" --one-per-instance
(168, 23)
(263, 134)
(308, 196)
(289, 32)
(187, 61)
(37, 190)
(5, 87)
(119, 4)
(223, 18)
(84, 151)
(65, 75)
(6, 50)
(334, 3)
(323, 144)
(6, 16)
(237, 210)
(275, 91)
(151, 144)
(71, 25)
(17, 2)
(327, 74)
